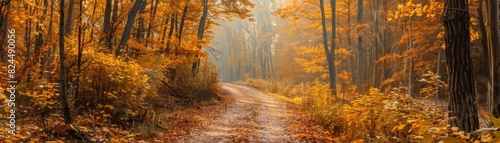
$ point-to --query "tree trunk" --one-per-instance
(63, 81)
(4, 22)
(457, 37)
(331, 53)
(69, 19)
(494, 56)
(181, 29)
(112, 31)
(437, 80)
(201, 29)
(411, 76)
(360, 47)
(484, 35)
(39, 41)
(107, 18)
(151, 22)
(325, 35)
(80, 49)
(47, 57)
(128, 26)
(384, 38)
(173, 20)
(140, 32)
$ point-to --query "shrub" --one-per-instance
(390, 117)
(321, 106)
(203, 86)
(112, 85)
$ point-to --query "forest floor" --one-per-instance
(245, 115)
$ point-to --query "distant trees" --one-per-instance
(108, 56)
(403, 50)
(250, 44)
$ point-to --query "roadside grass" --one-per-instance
(294, 100)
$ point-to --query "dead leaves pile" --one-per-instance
(305, 129)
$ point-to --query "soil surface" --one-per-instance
(253, 116)
(244, 115)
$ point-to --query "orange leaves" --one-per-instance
(133, 44)
(111, 79)
(342, 53)
(410, 9)
(44, 95)
(393, 116)
(313, 59)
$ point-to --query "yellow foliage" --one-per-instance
(312, 59)
(117, 87)
(396, 117)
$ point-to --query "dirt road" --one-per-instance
(253, 117)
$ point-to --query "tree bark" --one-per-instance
(69, 19)
(360, 47)
(331, 53)
(62, 56)
(181, 29)
(325, 35)
(4, 21)
(173, 20)
(483, 34)
(107, 18)
(201, 29)
(128, 26)
(494, 56)
(151, 30)
(164, 31)
(140, 32)
(80, 49)
(457, 38)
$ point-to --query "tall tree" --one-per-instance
(63, 80)
(360, 47)
(128, 26)
(331, 53)
(4, 20)
(494, 52)
(201, 29)
(107, 17)
(457, 38)
(325, 44)
(69, 18)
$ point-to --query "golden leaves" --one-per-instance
(410, 9)
(380, 113)
(125, 82)
(313, 59)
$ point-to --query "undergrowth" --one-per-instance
(371, 117)
(111, 101)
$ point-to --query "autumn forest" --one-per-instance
(249, 71)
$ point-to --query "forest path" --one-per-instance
(252, 117)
